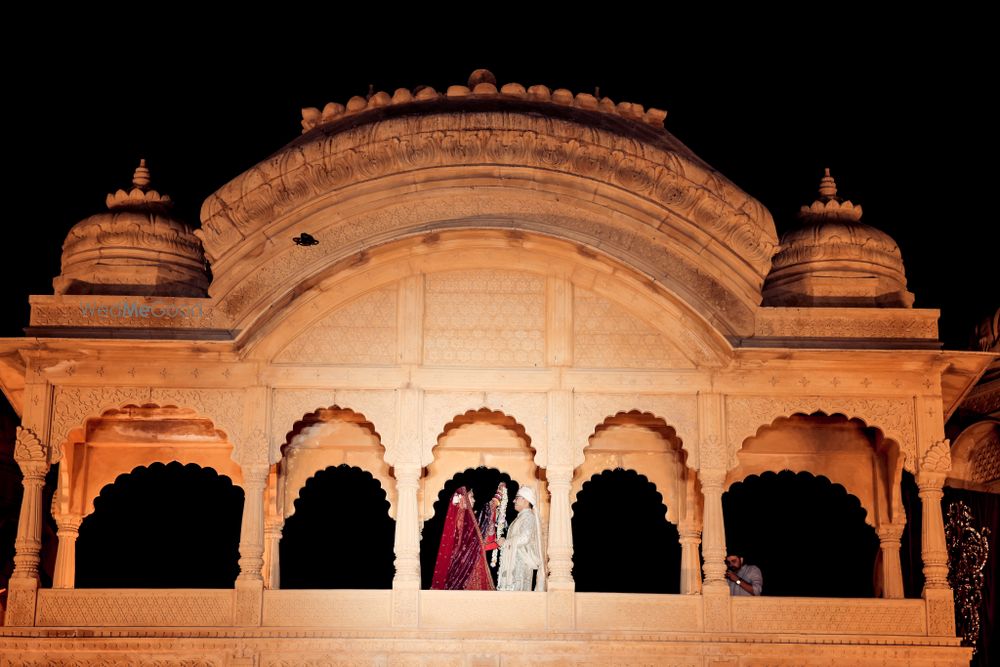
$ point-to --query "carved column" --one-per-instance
(892, 572)
(273, 526)
(68, 529)
(250, 582)
(690, 539)
(933, 467)
(560, 530)
(405, 455)
(715, 591)
(714, 546)
(933, 548)
(407, 542)
(252, 527)
(32, 457)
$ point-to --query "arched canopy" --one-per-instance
(613, 186)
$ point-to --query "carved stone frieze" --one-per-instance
(324, 162)
(116, 607)
(877, 617)
(845, 323)
(127, 312)
(678, 192)
(893, 416)
(590, 411)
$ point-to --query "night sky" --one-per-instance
(901, 118)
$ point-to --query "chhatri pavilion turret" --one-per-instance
(542, 283)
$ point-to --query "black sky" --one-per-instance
(900, 114)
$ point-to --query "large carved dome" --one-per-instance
(833, 259)
(134, 248)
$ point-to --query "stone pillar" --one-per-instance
(892, 573)
(937, 592)
(406, 582)
(273, 526)
(68, 529)
(715, 590)
(560, 530)
(714, 545)
(690, 539)
(250, 582)
(32, 457)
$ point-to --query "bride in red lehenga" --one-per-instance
(461, 560)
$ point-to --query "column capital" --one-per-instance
(711, 478)
(255, 474)
(890, 532)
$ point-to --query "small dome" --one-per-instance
(834, 260)
(134, 248)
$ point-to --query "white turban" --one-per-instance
(528, 494)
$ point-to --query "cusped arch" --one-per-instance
(677, 413)
(330, 437)
(866, 464)
(481, 438)
(644, 443)
(893, 418)
(641, 198)
(134, 435)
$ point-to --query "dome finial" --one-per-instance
(827, 186)
(141, 177)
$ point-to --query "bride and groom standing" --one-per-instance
(461, 561)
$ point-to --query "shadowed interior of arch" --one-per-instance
(162, 526)
(483, 482)
(622, 541)
(807, 535)
(341, 535)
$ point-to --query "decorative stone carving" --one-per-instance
(28, 448)
(845, 323)
(894, 417)
(289, 406)
(880, 617)
(605, 335)
(986, 460)
(665, 175)
(223, 406)
(119, 607)
(937, 458)
(73, 405)
(482, 318)
(360, 332)
(590, 410)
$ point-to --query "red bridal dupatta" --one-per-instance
(461, 561)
